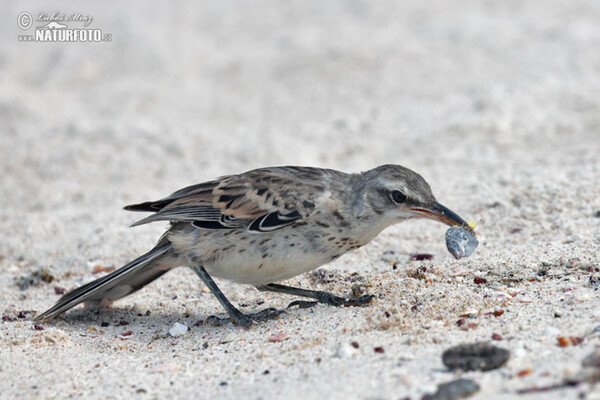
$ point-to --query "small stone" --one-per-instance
(565, 341)
(379, 350)
(475, 356)
(25, 314)
(136, 308)
(280, 337)
(230, 337)
(460, 242)
(421, 256)
(178, 329)
(457, 389)
(59, 290)
(345, 350)
(524, 372)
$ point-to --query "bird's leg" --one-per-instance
(320, 296)
(235, 315)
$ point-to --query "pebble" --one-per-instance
(230, 337)
(460, 242)
(137, 308)
(178, 329)
(457, 389)
(345, 350)
(480, 356)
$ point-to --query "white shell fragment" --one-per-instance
(178, 329)
(460, 242)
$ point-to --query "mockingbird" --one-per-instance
(265, 226)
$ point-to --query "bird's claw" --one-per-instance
(302, 304)
(245, 320)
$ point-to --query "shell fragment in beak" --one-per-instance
(460, 242)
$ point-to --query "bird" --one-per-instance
(265, 226)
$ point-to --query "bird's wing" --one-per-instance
(262, 200)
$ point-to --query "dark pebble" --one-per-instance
(7, 318)
(597, 215)
(104, 324)
(379, 350)
(25, 313)
(421, 256)
(480, 356)
(59, 290)
(460, 242)
(123, 322)
(457, 389)
(38, 327)
(355, 345)
(479, 281)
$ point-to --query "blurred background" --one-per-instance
(495, 103)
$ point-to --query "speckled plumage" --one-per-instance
(268, 225)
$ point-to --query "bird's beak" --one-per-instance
(441, 213)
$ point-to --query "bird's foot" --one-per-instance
(245, 320)
(333, 300)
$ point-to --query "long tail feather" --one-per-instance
(117, 284)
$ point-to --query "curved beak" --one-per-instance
(441, 213)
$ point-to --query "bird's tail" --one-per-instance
(120, 283)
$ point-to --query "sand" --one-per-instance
(495, 103)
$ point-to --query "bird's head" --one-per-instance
(394, 194)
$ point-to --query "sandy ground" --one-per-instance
(495, 103)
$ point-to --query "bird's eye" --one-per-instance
(398, 197)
